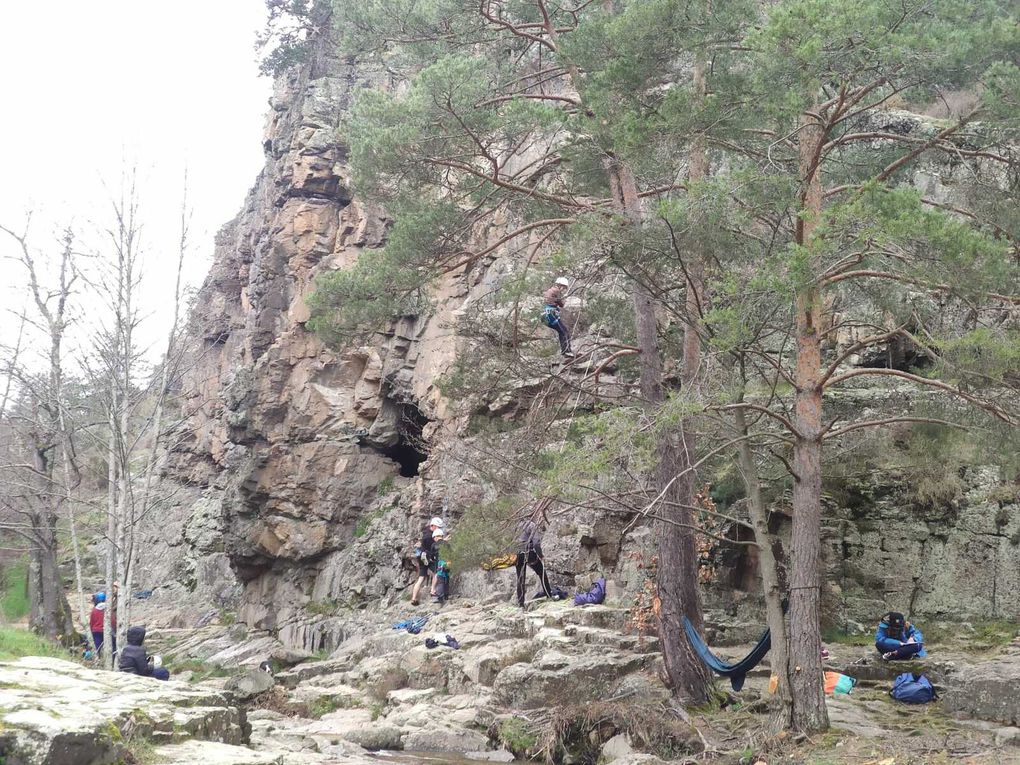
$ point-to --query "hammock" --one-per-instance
(735, 672)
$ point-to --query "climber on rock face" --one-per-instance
(551, 313)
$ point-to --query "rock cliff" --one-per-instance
(305, 475)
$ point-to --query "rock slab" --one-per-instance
(56, 712)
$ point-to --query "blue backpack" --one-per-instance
(913, 689)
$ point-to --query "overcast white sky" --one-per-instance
(90, 86)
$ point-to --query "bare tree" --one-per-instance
(38, 497)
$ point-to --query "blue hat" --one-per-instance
(100, 597)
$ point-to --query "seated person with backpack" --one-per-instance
(896, 638)
(134, 660)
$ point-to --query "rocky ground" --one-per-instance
(578, 683)
(555, 680)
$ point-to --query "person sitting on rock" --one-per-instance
(134, 660)
(529, 553)
(551, 313)
(896, 638)
(99, 607)
(426, 558)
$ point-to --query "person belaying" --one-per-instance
(552, 313)
(134, 660)
(896, 638)
(99, 607)
(441, 586)
(529, 553)
(426, 553)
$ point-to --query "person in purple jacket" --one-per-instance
(594, 596)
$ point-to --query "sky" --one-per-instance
(93, 88)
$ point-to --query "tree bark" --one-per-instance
(779, 654)
(677, 573)
(809, 712)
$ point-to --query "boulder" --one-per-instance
(61, 713)
(558, 680)
(250, 684)
(443, 739)
(989, 691)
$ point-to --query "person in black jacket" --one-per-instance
(529, 553)
(426, 553)
(134, 660)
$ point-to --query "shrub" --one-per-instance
(14, 600)
(15, 643)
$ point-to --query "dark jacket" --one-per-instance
(133, 658)
(529, 537)
(428, 545)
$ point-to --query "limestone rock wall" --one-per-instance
(306, 475)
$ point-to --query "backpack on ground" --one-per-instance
(837, 683)
(912, 688)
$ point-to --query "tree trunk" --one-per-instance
(809, 712)
(779, 654)
(677, 573)
(111, 527)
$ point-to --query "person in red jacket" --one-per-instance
(99, 606)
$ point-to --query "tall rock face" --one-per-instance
(307, 474)
(288, 451)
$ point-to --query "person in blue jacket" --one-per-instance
(896, 638)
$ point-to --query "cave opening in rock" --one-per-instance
(409, 450)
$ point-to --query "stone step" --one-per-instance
(210, 753)
(598, 637)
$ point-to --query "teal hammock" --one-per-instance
(736, 672)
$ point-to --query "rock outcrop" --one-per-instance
(56, 712)
(305, 474)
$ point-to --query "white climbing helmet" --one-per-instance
(437, 521)
(562, 281)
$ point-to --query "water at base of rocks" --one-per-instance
(438, 758)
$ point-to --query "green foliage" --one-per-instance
(322, 607)
(983, 357)
(385, 486)
(14, 601)
(834, 636)
(807, 45)
(515, 734)
(324, 705)
(483, 532)
(387, 283)
(15, 643)
(200, 670)
(286, 40)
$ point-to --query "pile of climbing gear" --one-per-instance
(500, 561)
(440, 639)
(414, 625)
